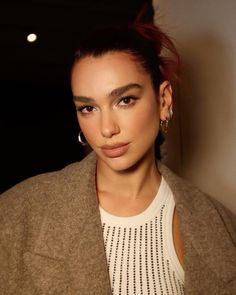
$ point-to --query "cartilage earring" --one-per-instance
(164, 125)
(81, 141)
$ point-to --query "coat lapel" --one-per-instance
(68, 256)
(69, 251)
(209, 249)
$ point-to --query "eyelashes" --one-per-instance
(85, 109)
(124, 102)
(128, 100)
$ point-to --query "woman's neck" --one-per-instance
(129, 192)
(141, 180)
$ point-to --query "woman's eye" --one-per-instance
(125, 101)
(85, 109)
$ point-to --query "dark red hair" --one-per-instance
(146, 43)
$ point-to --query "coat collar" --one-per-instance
(71, 229)
(202, 228)
(70, 235)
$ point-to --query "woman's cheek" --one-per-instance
(89, 128)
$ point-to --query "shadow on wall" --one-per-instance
(205, 98)
(207, 126)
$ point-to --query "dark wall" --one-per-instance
(38, 129)
(37, 120)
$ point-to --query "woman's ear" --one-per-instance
(165, 100)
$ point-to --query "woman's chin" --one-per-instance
(117, 164)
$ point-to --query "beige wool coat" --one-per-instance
(51, 240)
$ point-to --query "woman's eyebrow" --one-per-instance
(114, 93)
(84, 99)
(121, 90)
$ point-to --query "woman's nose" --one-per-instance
(109, 125)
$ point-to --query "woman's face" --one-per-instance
(117, 108)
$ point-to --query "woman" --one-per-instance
(118, 222)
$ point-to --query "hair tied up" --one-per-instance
(165, 48)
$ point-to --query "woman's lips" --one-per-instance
(115, 150)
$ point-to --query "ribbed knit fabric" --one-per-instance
(140, 250)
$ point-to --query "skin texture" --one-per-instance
(119, 113)
(109, 120)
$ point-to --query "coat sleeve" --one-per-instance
(229, 219)
(4, 267)
(13, 240)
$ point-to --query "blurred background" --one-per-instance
(201, 145)
(38, 126)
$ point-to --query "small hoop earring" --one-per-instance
(164, 125)
(80, 139)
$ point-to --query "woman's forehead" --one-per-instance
(110, 65)
(98, 77)
(111, 57)
(108, 71)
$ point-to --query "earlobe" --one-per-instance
(165, 98)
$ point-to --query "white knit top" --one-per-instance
(140, 251)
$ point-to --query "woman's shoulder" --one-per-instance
(47, 199)
(186, 192)
(40, 190)
(195, 204)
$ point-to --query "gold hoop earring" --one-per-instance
(80, 139)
